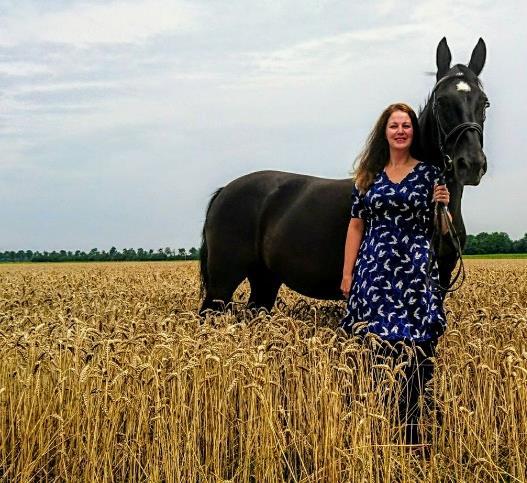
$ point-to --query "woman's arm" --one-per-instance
(353, 241)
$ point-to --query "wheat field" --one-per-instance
(107, 374)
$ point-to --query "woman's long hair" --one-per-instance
(376, 152)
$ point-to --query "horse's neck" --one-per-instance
(456, 193)
(429, 141)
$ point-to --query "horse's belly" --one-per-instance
(305, 258)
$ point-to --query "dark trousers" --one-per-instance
(418, 371)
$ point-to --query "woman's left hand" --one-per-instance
(441, 194)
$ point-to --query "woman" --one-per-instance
(387, 250)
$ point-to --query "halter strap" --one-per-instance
(443, 137)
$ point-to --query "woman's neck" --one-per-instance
(398, 158)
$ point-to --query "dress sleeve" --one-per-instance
(358, 209)
(433, 178)
(436, 173)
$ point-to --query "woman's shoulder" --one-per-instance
(428, 165)
(430, 169)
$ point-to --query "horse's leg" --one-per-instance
(447, 265)
(225, 273)
(264, 288)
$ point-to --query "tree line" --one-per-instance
(480, 244)
(94, 255)
(495, 242)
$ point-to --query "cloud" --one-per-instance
(23, 69)
(160, 102)
(315, 56)
(64, 86)
(501, 197)
(113, 22)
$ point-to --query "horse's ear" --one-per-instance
(479, 54)
(443, 58)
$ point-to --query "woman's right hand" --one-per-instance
(345, 285)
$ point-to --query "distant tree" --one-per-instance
(520, 245)
(472, 246)
(129, 254)
(496, 242)
(499, 242)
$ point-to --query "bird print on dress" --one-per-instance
(389, 287)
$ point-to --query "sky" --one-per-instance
(119, 119)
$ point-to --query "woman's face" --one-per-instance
(399, 131)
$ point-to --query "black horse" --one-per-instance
(275, 227)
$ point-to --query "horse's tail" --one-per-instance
(203, 251)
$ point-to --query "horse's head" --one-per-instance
(454, 116)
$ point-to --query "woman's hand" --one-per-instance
(441, 194)
(345, 286)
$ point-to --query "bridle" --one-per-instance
(443, 137)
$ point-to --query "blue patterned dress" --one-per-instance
(389, 288)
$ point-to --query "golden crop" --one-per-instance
(106, 374)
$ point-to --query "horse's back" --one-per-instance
(234, 218)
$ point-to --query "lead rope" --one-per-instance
(440, 210)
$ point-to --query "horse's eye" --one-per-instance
(485, 106)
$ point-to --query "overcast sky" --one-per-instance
(119, 119)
